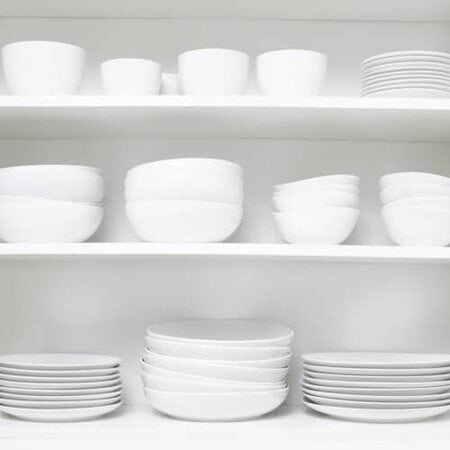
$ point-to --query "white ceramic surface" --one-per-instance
(377, 378)
(393, 179)
(46, 386)
(58, 404)
(43, 68)
(336, 181)
(304, 200)
(317, 226)
(291, 73)
(216, 406)
(410, 93)
(58, 372)
(59, 397)
(46, 379)
(434, 202)
(170, 84)
(131, 76)
(406, 54)
(213, 71)
(26, 391)
(184, 221)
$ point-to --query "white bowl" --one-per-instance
(393, 179)
(418, 225)
(213, 71)
(312, 189)
(57, 182)
(314, 198)
(334, 180)
(317, 226)
(216, 406)
(214, 352)
(43, 68)
(406, 191)
(228, 332)
(215, 370)
(48, 221)
(437, 202)
(184, 221)
(299, 73)
(131, 76)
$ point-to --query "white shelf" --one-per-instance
(291, 427)
(423, 10)
(257, 117)
(335, 253)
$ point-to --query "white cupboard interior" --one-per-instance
(69, 303)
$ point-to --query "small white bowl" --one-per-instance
(43, 68)
(48, 221)
(418, 225)
(407, 191)
(354, 190)
(317, 226)
(131, 76)
(56, 182)
(214, 352)
(298, 73)
(216, 406)
(393, 179)
(213, 71)
(314, 198)
(215, 370)
(184, 221)
(333, 180)
(437, 202)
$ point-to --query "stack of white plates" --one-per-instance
(416, 208)
(216, 370)
(59, 387)
(377, 387)
(321, 210)
(406, 74)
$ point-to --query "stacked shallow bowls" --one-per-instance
(377, 387)
(185, 200)
(50, 203)
(216, 370)
(316, 211)
(59, 387)
(406, 74)
(416, 208)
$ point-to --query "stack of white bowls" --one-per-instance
(50, 203)
(59, 387)
(406, 74)
(416, 208)
(377, 387)
(216, 370)
(185, 200)
(317, 211)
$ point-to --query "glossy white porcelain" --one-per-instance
(314, 198)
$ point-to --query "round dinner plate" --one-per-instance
(379, 415)
(59, 415)
(377, 371)
(409, 93)
(58, 404)
(407, 53)
(28, 385)
(378, 360)
(39, 379)
(59, 373)
(407, 82)
(407, 75)
(403, 86)
(393, 67)
(405, 59)
(55, 392)
(30, 397)
(58, 361)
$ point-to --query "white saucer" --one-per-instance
(406, 75)
(59, 373)
(394, 67)
(409, 93)
(53, 392)
(408, 53)
(58, 404)
(58, 386)
(382, 84)
(405, 59)
(104, 396)
(39, 379)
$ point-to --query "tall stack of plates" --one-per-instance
(406, 74)
(377, 387)
(59, 387)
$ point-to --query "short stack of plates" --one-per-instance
(216, 370)
(59, 387)
(377, 387)
(406, 74)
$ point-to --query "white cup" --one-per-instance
(43, 68)
(131, 76)
(170, 84)
(213, 71)
(299, 73)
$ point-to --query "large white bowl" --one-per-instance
(398, 192)
(418, 225)
(317, 226)
(216, 370)
(314, 198)
(437, 202)
(43, 68)
(216, 406)
(294, 72)
(213, 71)
(317, 187)
(48, 221)
(184, 221)
(214, 352)
(57, 182)
(334, 180)
(241, 333)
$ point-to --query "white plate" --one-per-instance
(378, 360)
(407, 82)
(377, 378)
(59, 415)
(59, 361)
(60, 373)
(367, 65)
(56, 392)
(391, 67)
(379, 415)
(39, 379)
(398, 86)
(407, 75)
(58, 386)
(245, 333)
(377, 371)
(30, 397)
(409, 93)
(59, 404)
(414, 53)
